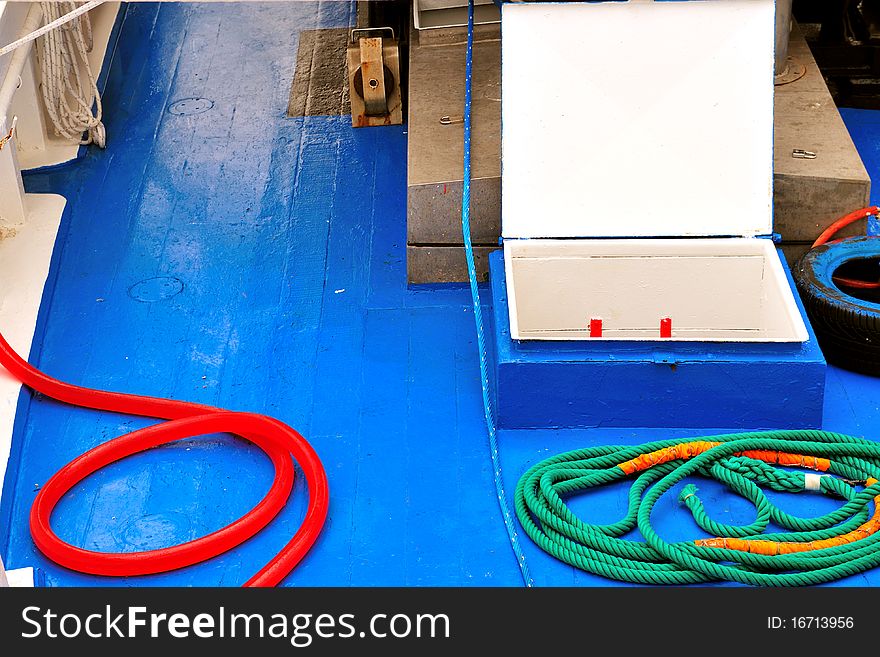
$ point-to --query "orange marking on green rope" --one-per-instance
(689, 450)
(773, 548)
(785, 458)
(681, 451)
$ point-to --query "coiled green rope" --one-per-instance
(848, 542)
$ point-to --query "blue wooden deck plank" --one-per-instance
(378, 522)
(263, 218)
(432, 492)
(336, 402)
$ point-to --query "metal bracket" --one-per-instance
(367, 30)
(374, 78)
(801, 154)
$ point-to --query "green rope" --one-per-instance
(541, 507)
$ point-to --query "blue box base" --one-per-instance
(550, 384)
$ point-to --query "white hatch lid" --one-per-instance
(637, 119)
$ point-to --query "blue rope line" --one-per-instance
(478, 310)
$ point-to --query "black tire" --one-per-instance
(848, 328)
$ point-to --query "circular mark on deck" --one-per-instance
(156, 289)
(156, 529)
(190, 106)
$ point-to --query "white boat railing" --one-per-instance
(14, 208)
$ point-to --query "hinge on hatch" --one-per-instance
(661, 358)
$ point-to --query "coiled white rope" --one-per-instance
(68, 84)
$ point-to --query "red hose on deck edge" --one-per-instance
(185, 420)
(841, 223)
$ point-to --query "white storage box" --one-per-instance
(638, 284)
(641, 120)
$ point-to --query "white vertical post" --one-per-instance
(783, 34)
(13, 210)
(13, 207)
(32, 133)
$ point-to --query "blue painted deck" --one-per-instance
(288, 238)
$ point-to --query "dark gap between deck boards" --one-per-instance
(320, 84)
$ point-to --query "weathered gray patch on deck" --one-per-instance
(320, 82)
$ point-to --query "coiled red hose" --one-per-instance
(185, 420)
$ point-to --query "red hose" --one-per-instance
(185, 420)
(841, 223)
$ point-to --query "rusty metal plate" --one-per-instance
(374, 82)
(793, 71)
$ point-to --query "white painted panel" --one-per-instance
(12, 15)
(25, 254)
(657, 288)
(719, 290)
(21, 578)
(637, 118)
